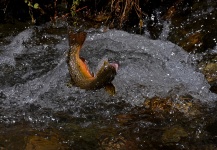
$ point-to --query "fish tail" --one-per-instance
(77, 38)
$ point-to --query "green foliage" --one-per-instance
(29, 3)
(73, 10)
(74, 7)
(36, 6)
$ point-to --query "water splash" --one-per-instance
(147, 68)
(15, 47)
(150, 67)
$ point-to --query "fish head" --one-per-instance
(107, 72)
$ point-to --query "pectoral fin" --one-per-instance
(110, 88)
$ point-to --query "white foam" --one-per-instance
(16, 46)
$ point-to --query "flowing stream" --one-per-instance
(34, 73)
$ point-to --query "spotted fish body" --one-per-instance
(79, 71)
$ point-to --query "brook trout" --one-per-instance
(80, 73)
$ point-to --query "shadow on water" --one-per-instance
(38, 109)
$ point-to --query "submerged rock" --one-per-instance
(43, 143)
(173, 135)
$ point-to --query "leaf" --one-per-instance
(29, 4)
(36, 6)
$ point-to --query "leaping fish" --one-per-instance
(80, 73)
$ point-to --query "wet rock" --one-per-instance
(173, 135)
(208, 67)
(124, 118)
(166, 105)
(113, 143)
(43, 143)
(117, 143)
(210, 71)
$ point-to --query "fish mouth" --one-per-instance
(115, 65)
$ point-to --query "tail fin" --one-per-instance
(77, 38)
